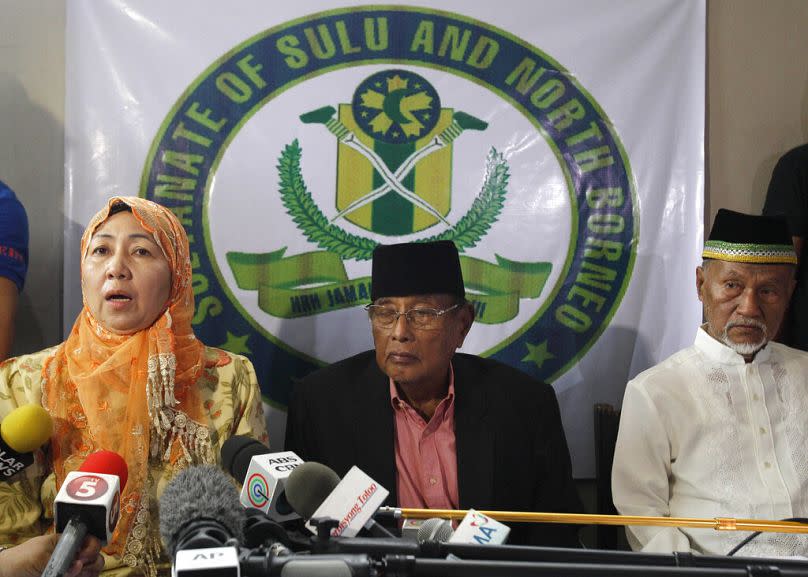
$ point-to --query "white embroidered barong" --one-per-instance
(705, 434)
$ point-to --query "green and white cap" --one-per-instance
(737, 237)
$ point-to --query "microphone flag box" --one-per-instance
(95, 497)
(353, 503)
(410, 528)
(264, 484)
(213, 561)
(480, 529)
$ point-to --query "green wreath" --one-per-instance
(315, 226)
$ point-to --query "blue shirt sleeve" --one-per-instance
(13, 237)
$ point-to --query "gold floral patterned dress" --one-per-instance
(231, 405)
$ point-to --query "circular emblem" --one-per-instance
(257, 491)
(396, 106)
(87, 488)
(297, 152)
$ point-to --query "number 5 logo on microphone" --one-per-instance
(87, 488)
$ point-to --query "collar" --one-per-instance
(397, 401)
(717, 351)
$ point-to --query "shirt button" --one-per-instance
(762, 430)
(433, 481)
(755, 397)
(767, 465)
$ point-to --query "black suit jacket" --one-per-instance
(511, 450)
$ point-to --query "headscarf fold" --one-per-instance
(132, 394)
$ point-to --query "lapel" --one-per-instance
(474, 437)
(373, 433)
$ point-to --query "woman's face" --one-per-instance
(126, 279)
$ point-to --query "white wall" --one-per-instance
(32, 80)
(757, 81)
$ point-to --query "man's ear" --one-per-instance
(466, 319)
(699, 281)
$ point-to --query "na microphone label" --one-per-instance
(480, 529)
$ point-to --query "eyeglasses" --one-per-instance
(384, 317)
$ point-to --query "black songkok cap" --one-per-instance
(416, 268)
(738, 237)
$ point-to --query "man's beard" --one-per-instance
(745, 349)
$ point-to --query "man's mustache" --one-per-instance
(746, 323)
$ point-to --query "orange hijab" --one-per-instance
(132, 394)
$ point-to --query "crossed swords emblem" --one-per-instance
(392, 180)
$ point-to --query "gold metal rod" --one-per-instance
(718, 523)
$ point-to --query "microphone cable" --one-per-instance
(756, 533)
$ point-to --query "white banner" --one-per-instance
(558, 144)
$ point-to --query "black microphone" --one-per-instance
(22, 431)
(88, 502)
(198, 509)
(308, 486)
(262, 474)
(315, 490)
(202, 522)
(238, 451)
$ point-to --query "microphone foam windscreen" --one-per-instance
(106, 463)
(308, 485)
(237, 452)
(435, 529)
(26, 428)
(199, 492)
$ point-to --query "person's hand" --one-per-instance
(89, 561)
(29, 559)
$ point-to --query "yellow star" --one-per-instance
(236, 345)
(396, 83)
(538, 354)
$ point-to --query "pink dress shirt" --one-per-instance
(426, 455)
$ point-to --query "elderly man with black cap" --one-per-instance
(719, 428)
(438, 429)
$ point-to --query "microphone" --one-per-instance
(263, 475)
(308, 486)
(88, 501)
(260, 530)
(24, 430)
(201, 520)
(435, 529)
(352, 501)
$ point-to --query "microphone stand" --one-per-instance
(402, 558)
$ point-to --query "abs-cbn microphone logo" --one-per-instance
(258, 490)
(87, 488)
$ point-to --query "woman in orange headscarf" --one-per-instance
(131, 378)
